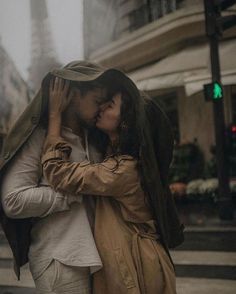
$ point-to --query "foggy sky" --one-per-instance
(65, 19)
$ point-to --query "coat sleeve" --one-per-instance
(22, 193)
(115, 177)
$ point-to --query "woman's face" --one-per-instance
(109, 117)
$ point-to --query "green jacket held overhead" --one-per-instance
(18, 230)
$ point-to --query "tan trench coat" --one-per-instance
(134, 260)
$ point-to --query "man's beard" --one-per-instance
(84, 123)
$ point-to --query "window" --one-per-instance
(151, 10)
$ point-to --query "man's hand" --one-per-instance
(59, 96)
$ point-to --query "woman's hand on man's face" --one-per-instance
(59, 95)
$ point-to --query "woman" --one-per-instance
(128, 235)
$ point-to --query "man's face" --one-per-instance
(87, 106)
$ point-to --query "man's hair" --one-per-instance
(84, 87)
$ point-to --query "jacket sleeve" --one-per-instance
(22, 194)
(115, 177)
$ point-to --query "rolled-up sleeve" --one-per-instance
(115, 177)
(22, 194)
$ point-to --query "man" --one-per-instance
(62, 252)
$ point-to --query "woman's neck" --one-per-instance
(113, 144)
(114, 138)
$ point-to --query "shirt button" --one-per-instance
(34, 120)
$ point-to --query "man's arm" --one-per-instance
(22, 196)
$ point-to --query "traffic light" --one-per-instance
(213, 91)
(233, 138)
(215, 23)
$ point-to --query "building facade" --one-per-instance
(43, 53)
(14, 95)
(163, 47)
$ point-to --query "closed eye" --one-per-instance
(112, 103)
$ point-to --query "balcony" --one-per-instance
(173, 30)
(136, 14)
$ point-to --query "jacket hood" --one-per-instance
(85, 71)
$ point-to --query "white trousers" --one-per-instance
(62, 279)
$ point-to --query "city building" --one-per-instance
(43, 54)
(14, 95)
(162, 46)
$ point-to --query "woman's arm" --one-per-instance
(59, 98)
(113, 177)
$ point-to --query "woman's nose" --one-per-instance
(103, 106)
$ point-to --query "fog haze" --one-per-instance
(65, 20)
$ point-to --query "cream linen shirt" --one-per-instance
(63, 231)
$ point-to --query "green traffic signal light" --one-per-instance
(217, 91)
(213, 91)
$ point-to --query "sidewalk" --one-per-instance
(205, 286)
(188, 262)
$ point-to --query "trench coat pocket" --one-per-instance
(124, 269)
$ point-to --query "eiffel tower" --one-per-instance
(43, 56)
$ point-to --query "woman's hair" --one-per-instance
(128, 130)
(129, 142)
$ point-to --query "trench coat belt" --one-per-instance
(137, 255)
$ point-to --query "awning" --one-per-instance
(189, 68)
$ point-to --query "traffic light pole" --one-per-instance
(225, 201)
